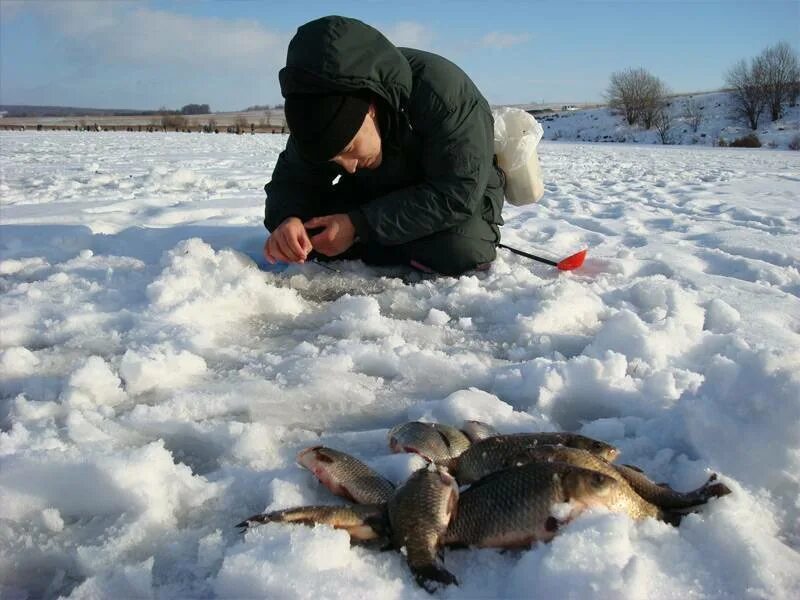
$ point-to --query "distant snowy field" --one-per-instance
(718, 122)
(157, 382)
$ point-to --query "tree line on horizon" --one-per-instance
(770, 80)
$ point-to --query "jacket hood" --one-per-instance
(339, 54)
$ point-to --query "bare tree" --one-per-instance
(173, 121)
(240, 123)
(781, 70)
(749, 90)
(693, 114)
(663, 124)
(620, 94)
(654, 100)
(794, 91)
(637, 94)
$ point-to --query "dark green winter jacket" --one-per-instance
(436, 128)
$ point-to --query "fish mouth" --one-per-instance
(306, 458)
(398, 448)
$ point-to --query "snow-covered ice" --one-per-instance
(158, 379)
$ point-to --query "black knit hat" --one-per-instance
(323, 124)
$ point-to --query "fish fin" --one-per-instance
(716, 490)
(704, 494)
(380, 524)
(457, 545)
(258, 519)
(428, 576)
(551, 524)
(486, 479)
(347, 494)
(379, 544)
(635, 468)
(710, 489)
(673, 517)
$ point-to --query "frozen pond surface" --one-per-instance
(157, 382)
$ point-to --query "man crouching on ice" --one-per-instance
(412, 139)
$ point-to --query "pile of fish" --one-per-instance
(522, 488)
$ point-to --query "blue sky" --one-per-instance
(147, 54)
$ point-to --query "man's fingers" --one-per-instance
(284, 249)
(275, 251)
(296, 248)
(267, 254)
(327, 235)
(290, 244)
(305, 242)
(317, 222)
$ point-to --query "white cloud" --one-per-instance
(11, 8)
(139, 55)
(129, 33)
(497, 39)
(410, 34)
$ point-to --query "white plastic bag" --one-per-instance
(516, 135)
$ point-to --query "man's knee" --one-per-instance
(451, 253)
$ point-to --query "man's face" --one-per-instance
(364, 150)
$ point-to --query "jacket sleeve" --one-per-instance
(297, 188)
(457, 154)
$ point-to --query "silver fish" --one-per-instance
(419, 513)
(364, 522)
(522, 505)
(502, 451)
(478, 430)
(345, 475)
(627, 500)
(435, 442)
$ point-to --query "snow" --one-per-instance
(718, 121)
(157, 378)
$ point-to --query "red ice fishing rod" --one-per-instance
(569, 263)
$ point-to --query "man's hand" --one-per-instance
(337, 235)
(288, 243)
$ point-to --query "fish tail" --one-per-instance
(259, 519)
(429, 575)
(673, 517)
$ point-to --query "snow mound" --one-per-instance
(198, 282)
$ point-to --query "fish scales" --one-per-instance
(346, 476)
(626, 499)
(513, 507)
(419, 513)
(502, 451)
(435, 442)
